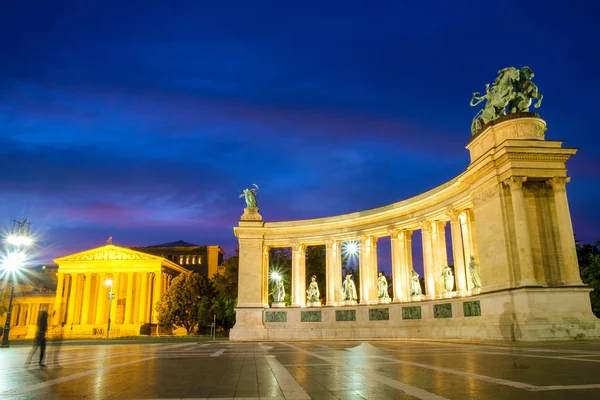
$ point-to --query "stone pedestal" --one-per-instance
(349, 303)
(313, 304)
(384, 301)
(278, 304)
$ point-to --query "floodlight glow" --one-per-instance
(275, 276)
(14, 261)
(108, 282)
(351, 248)
(19, 240)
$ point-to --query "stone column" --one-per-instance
(466, 241)
(101, 299)
(457, 251)
(406, 240)
(85, 310)
(143, 307)
(72, 298)
(569, 268)
(472, 234)
(115, 302)
(523, 240)
(368, 270)
(60, 281)
(333, 271)
(397, 247)
(129, 299)
(265, 276)
(429, 270)
(299, 275)
(157, 294)
(33, 313)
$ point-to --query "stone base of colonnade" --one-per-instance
(524, 314)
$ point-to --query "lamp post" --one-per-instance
(111, 295)
(12, 262)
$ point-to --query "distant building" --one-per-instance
(139, 277)
(203, 259)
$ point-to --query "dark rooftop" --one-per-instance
(179, 243)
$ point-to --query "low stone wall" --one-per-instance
(512, 315)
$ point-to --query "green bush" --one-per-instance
(146, 329)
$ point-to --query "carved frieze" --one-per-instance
(109, 255)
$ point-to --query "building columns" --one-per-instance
(265, 276)
(157, 295)
(60, 282)
(368, 270)
(72, 298)
(459, 255)
(143, 298)
(569, 269)
(129, 299)
(299, 275)
(428, 267)
(115, 302)
(85, 311)
(523, 240)
(333, 272)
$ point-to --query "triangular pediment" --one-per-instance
(109, 252)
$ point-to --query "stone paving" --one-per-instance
(306, 370)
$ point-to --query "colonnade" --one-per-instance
(434, 259)
(82, 298)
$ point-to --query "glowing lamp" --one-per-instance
(275, 276)
(351, 248)
(19, 240)
(14, 261)
(108, 282)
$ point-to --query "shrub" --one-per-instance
(146, 329)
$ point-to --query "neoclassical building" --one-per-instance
(76, 294)
(508, 210)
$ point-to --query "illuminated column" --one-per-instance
(405, 239)
(33, 313)
(299, 275)
(472, 234)
(102, 299)
(333, 272)
(72, 298)
(86, 298)
(569, 268)
(60, 281)
(463, 219)
(429, 270)
(265, 276)
(115, 302)
(143, 307)
(157, 295)
(129, 299)
(397, 264)
(527, 273)
(457, 250)
(442, 253)
(368, 269)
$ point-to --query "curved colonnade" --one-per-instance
(508, 209)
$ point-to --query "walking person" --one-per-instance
(40, 339)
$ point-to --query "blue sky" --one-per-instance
(145, 120)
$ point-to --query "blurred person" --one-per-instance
(40, 339)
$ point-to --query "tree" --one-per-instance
(3, 302)
(180, 305)
(588, 256)
(226, 292)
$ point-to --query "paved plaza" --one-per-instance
(305, 370)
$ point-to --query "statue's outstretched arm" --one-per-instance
(479, 99)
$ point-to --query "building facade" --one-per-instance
(203, 259)
(76, 295)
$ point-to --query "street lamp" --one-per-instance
(111, 295)
(12, 262)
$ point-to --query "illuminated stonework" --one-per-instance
(508, 210)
